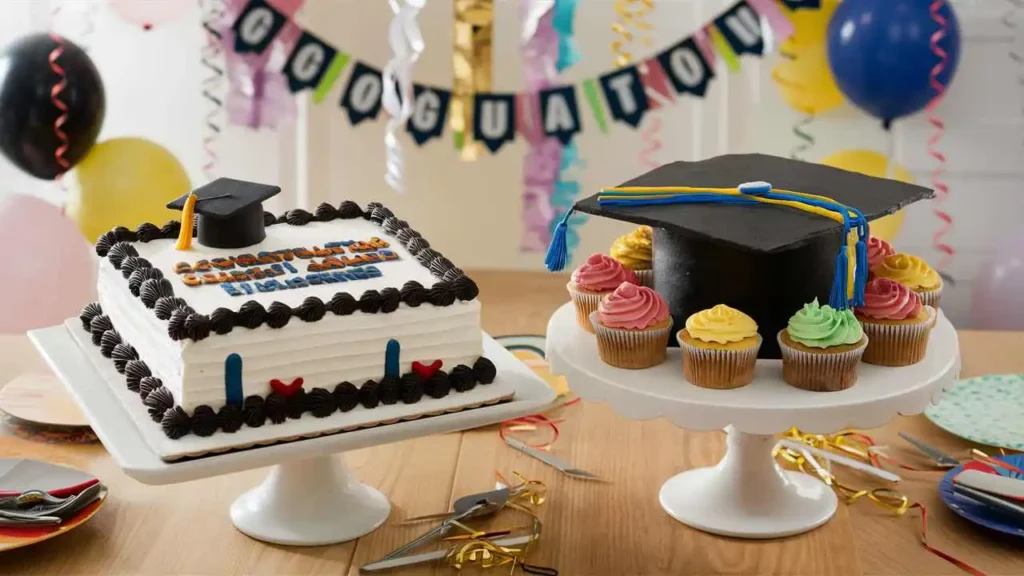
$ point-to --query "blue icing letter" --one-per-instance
(340, 276)
(290, 268)
(391, 358)
(245, 286)
(230, 289)
(314, 279)
(371, 272)
(233, 379)
(298, 282)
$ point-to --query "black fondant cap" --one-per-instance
(760, 228)
(764, 260)
(230, 212)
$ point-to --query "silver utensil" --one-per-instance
(69, 506)
(29, 497)
(29, 519)
(552, 460)
(942, 459)
(496, 497)
(433, 556)
(481, 508)
(22, 523)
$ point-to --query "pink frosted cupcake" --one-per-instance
(632, 326)
(878, 251)
(896, 322)
(596, 278)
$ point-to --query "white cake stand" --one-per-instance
(746, 494)
(310, 498)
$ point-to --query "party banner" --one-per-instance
(623, 95)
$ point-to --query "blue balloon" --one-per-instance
(881, 57)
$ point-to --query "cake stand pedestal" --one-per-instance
(310, 498)
(747, 494)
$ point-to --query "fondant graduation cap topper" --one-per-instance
(766, 249)
(230, 212)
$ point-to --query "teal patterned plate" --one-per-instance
(988, 410)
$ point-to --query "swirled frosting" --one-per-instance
(887, 299)
(878, 251)
(818, 326)
(911, 271)
(634, 250)
(721, 324)
(602, 273)
(632, 307)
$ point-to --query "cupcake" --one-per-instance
(719, 348)
(821, 348)
(634, 251)
(914, 273)
(632, 326)
(896, 323)
(592, 281)
(878, 251)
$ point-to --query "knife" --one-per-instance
(403, 561)
(551, 460)
(941, 458)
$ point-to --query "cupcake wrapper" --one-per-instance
(645, 277)
(931, 297)
(718, 369)
(632, 349)
(820, 372)
(586, 304)
(898, 344)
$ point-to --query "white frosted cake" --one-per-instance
(329, 311)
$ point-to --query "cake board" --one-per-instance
(747, 495)
(310, 497)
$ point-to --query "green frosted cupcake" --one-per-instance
(821, 348)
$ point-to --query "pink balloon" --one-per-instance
(150, 13)
(997, 301)
(49, 271)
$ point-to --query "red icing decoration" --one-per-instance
(426, 370)
(286, 390)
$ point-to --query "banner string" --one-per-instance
(212, 55)
(938, 184)
(407, 44)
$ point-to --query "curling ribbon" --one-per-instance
(406, 44)
(938, 184)
(472, 68)
(212, 55)
(56, 98)
(632, 15)
(804, 139)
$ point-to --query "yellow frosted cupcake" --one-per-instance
(914, 273)
(635, 251)
(719, 348)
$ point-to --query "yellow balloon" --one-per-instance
(804, 77)
(125, 182)
(873, 164)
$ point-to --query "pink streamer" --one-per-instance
(703, 40)
(656, 84)
(781, 25)
(543, 160)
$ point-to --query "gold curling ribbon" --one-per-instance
(631, 16)
(187, 218)
(472, 68)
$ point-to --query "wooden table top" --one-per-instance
(613, 529)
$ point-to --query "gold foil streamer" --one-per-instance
(631, 17)
(472, 68)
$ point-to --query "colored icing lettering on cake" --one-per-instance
(878, 251)
(721, 324)
(601, 273)
(817, 326)
(632, 307)
(909, 270)
(634, 250)
(887, 299)
(235, 288)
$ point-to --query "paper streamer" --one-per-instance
(407, 44)
(213, 15)
(804, 139)
(57, 98)
(938, 184)
(567, 187)
(540, 50)
(472, 68)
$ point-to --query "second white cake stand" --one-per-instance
(310, 497)
(746, 494)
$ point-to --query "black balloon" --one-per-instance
(27, 114)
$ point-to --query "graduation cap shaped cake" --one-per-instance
(230, 212)
(762, 234)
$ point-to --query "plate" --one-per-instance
(979, 513)
(985, 410)
(17, 475)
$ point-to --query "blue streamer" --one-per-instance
(562, 21)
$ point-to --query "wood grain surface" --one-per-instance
(615, 528)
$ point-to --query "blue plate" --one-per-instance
(980, 513)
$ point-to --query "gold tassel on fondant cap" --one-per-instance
(187, 219)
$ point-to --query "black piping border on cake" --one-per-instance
(183, 322)
(256, 410)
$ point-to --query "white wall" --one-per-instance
(472, 209)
